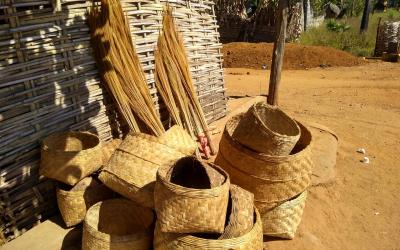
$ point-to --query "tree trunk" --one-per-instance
(278, 53)
(365, 17)
(305, 13)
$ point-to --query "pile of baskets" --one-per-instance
(269, 154)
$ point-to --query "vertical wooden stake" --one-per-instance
(279, 48)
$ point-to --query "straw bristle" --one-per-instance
(174, 80)
(120, 66)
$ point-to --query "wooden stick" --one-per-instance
(278, 52)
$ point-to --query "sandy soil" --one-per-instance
(360, 210)
(297, 56)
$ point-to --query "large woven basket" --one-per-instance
(240, 215)
(191, 197)
(252, 240)
(118, 224)
(272, 179)
(267, 129)
(69, 157)
(132, 169)
(283, 220)
(74, 202)
(177, 138)
(109, 148)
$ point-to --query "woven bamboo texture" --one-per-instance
(272, 179)
(388, 34)
(197, 22)
(267, 129)
(71, 156)
(108, 148)
(176, 137)
(240, 216)
(191, 197)
(74, 203)
(132, 169)
(252, 240)
(283, 220)
(118, 224)
(49, 83)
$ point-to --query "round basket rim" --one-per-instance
(233, 122)
(46, 144)
(292, 122)
(117, 238)
(187, 190)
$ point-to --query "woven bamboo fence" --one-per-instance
(50, 83)
(388, 38)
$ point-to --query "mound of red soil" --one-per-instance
(297, 56)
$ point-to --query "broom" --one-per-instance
(174, 81)
(120, 67)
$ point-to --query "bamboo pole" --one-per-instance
(278, 52)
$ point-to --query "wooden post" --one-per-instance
(278, 53)
(365, 16)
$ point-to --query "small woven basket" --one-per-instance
(191, 197)
(272, 179)
(240, 215)
(169, 241)
(267, 129)
(118, 224)
(132, 168)
(69, 157)
(74, 203)
(283, 220)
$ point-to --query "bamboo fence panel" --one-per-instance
(49, 83)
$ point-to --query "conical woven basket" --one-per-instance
(69, 157)
(271, 179)
(240, 215)
(191, 197)
(177, 138)
(283, 220)
(252, 240)
(109, 148)
(74, 202)
(267, 129)
(118, 224)
(132, 169)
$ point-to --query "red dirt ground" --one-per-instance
(297, 56)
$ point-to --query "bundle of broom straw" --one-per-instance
(120, 67)
(174, 81)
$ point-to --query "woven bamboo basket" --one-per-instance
(283, 220)
(252, 240)
(177, 138)
(191, 197)
(109, 148)
(132, 169)
(74, 203)
(272, 179)
(118, 224)
(69, 157)
(240, 215)
(267, 129)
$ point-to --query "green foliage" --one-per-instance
(333, 25)
(354, 7)
(345, 35)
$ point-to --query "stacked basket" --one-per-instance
(72, 158)
(269, 154)
(197, 208)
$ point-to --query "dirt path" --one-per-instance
(360, 210)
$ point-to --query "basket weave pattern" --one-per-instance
(117, 224)
(241, 218)
(188, 210)
(267, 129)
(283, 220)
(271, 178)
(251, 240)
(73, 160)
(73, 204)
